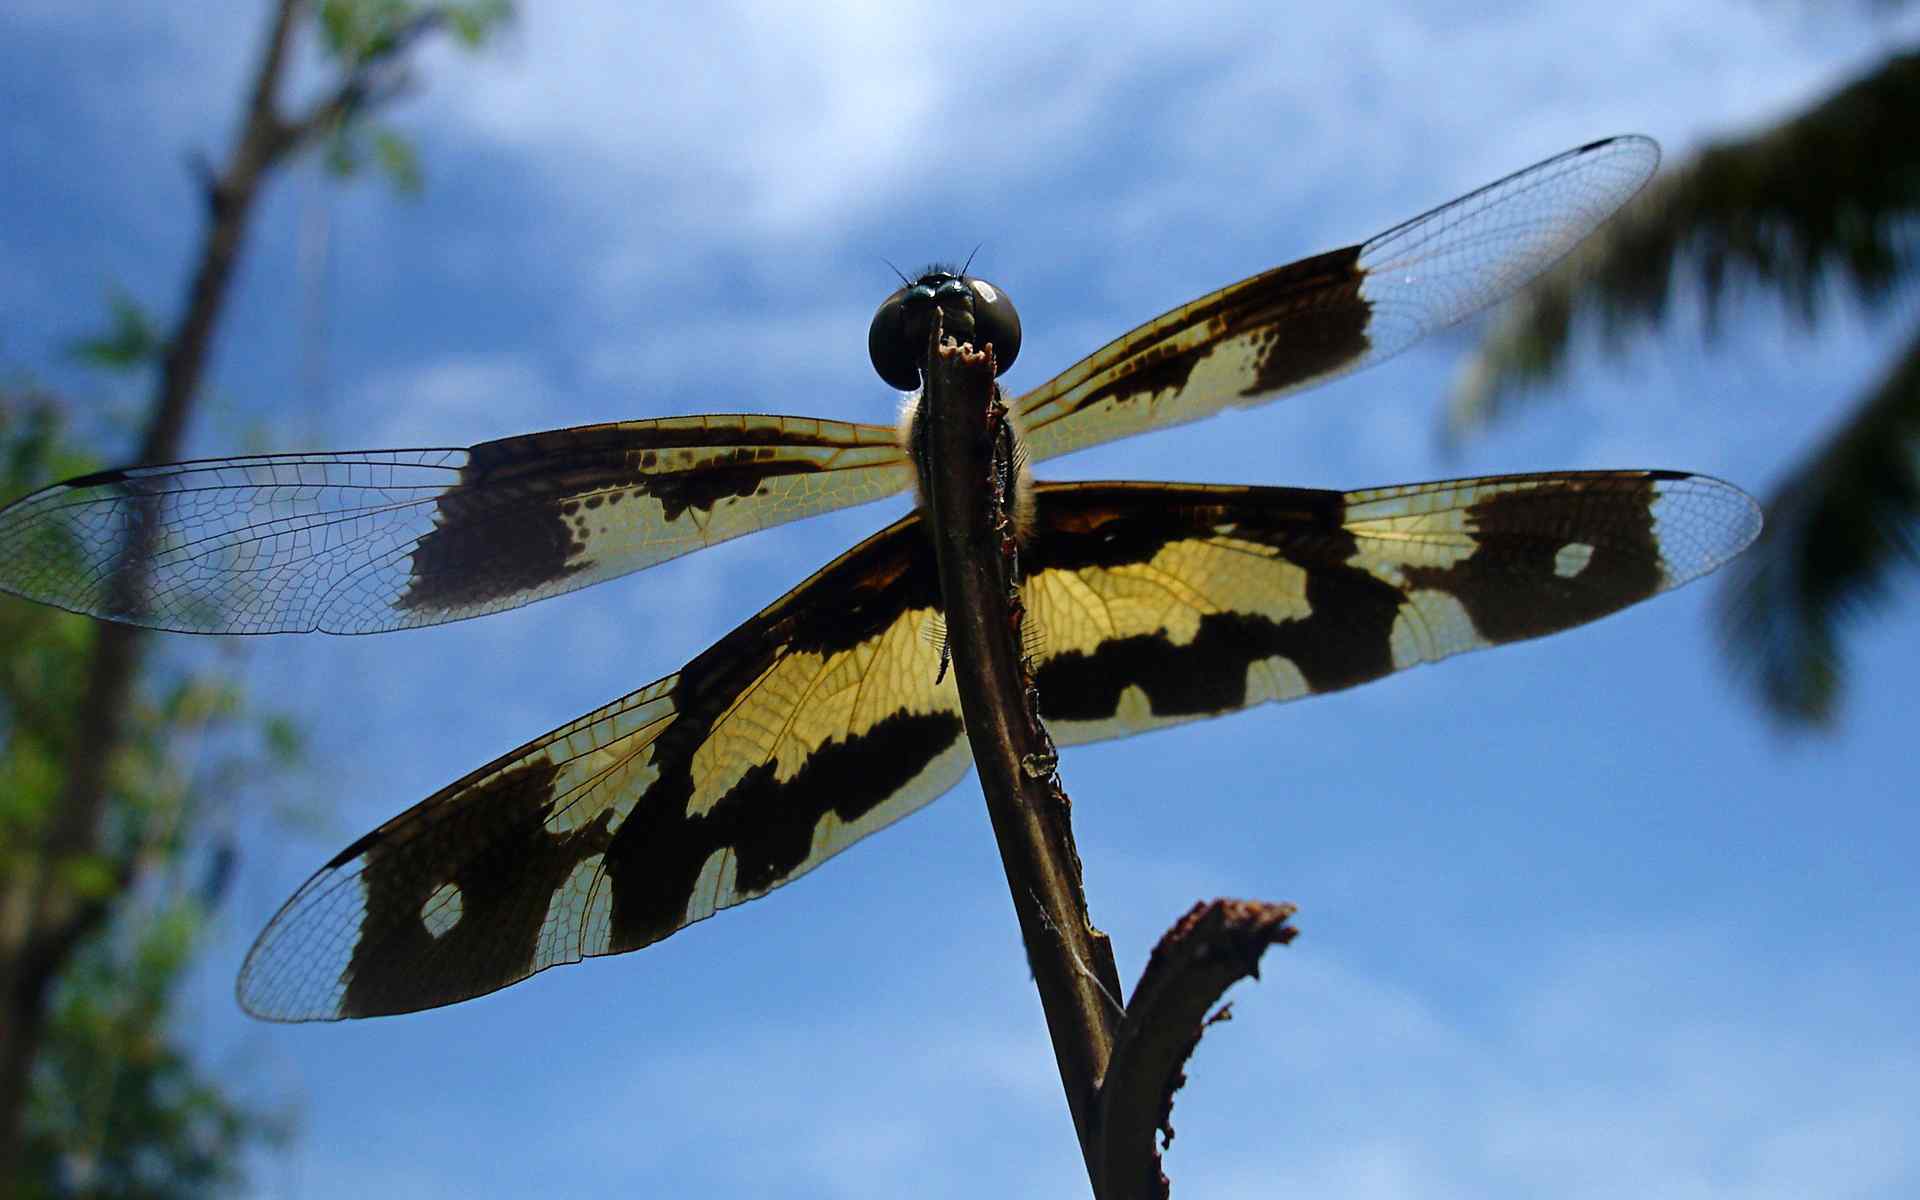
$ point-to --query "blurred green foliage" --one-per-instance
(117, 1105)
(364, 35)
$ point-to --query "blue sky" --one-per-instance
(1575, 922)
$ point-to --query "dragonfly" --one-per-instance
(827, 716)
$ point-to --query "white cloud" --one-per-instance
(1633, 1064)
(453, 400)
(787, 357)
(748, 124)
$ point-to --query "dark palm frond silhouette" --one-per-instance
(1826, 203)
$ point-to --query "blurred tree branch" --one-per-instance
(117, 1104)
(56, 896)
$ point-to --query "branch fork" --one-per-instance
(1119, 1065)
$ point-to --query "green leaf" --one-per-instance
(336, 26)
(130, 342)
(355, 31)
(344, 156)
(88, 875)
(472, 23)
(285, 743)
(398, 161)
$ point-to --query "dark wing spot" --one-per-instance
(1306, 318)
(656, 858)
(1312, 322)
(1346, 639)
(506, 883)
(483, 552)
(1509, 585)
(502, 530)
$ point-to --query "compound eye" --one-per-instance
(897, 339)
(995, 322)
(889, 344)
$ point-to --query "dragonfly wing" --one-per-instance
(1310, 321)
(1158, 604)
(366, 541)
(817, 722)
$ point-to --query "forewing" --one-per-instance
(367, 541)
(1158, 604)
(1312, 320)
(814, 724)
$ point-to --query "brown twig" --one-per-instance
(1119, 1065)
(966, 471)
(1207, 951)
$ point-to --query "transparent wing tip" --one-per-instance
(1701, 522)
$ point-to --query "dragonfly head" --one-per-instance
(971, 310)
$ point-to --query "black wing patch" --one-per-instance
(819, 721)
(366, 541)
(1307, 322)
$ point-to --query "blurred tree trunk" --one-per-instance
(66, 883)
